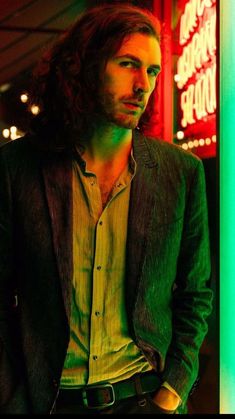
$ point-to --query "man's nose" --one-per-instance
(142, 84)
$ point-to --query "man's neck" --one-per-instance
(110, 146)
(106, 154)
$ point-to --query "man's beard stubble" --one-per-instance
(108, 113)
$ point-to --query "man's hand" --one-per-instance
(166, 399)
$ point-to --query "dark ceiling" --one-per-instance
(27, 27)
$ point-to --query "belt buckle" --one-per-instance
(85, 396)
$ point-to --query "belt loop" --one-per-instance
(139, 391)
(138, 385)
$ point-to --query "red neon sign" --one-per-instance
(196, 70)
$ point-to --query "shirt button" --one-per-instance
(99, 268)
(97, 313)
(101, 223)
(95, 357)
(55, 383)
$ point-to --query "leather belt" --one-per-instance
(106, 394)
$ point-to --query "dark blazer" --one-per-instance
(168, 267)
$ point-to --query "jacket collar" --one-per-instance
(142, 151)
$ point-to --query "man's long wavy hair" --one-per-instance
(67, 79)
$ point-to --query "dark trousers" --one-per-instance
(133, 405)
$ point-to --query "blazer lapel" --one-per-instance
(142, 201)
(57, 175)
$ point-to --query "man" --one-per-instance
(104, 235)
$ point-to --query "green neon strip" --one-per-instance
(227, 206)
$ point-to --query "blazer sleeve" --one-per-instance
(12, 389)
(192, 297)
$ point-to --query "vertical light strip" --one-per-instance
(167, 64)
(227, 206)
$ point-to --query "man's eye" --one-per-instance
(127, 64)
(153, 72)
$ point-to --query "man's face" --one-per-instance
(129, 79)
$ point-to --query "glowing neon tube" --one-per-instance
(227, 206)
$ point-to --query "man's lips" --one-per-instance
(133, 104)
